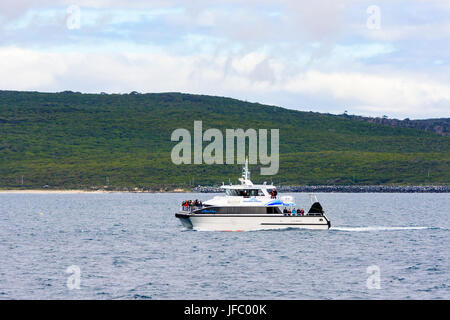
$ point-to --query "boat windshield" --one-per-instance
(244, 192)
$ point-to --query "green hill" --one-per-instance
(74, 140)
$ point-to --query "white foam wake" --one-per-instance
(377, 228)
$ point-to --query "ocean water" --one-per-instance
(130, 246)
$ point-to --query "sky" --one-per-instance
(372, 58)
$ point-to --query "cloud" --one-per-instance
(319, 55)
(407, 95)
(394, 94)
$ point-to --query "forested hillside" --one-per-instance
(74, 140)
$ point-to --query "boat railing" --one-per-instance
(190, 208)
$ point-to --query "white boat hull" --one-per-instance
(202, 222)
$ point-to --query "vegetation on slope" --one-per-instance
(440, 126)
(74, 140)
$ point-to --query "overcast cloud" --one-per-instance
(326, 56)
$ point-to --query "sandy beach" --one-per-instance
(46, 191)
(54, 191)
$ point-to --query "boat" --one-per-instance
(249, 207)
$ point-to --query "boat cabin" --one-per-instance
(248, 191)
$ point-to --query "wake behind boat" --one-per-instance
(247, 207)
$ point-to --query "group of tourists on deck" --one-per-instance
(293, 212)
(188, 204)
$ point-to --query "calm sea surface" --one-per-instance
(130, 246)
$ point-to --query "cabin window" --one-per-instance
(240, 210)
(273, 210)
(244, 192)
(260, 192)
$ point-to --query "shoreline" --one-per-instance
(81, 191)
(39, 191)
(283, 189)
(346, 189)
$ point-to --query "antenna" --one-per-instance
(245, 174)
